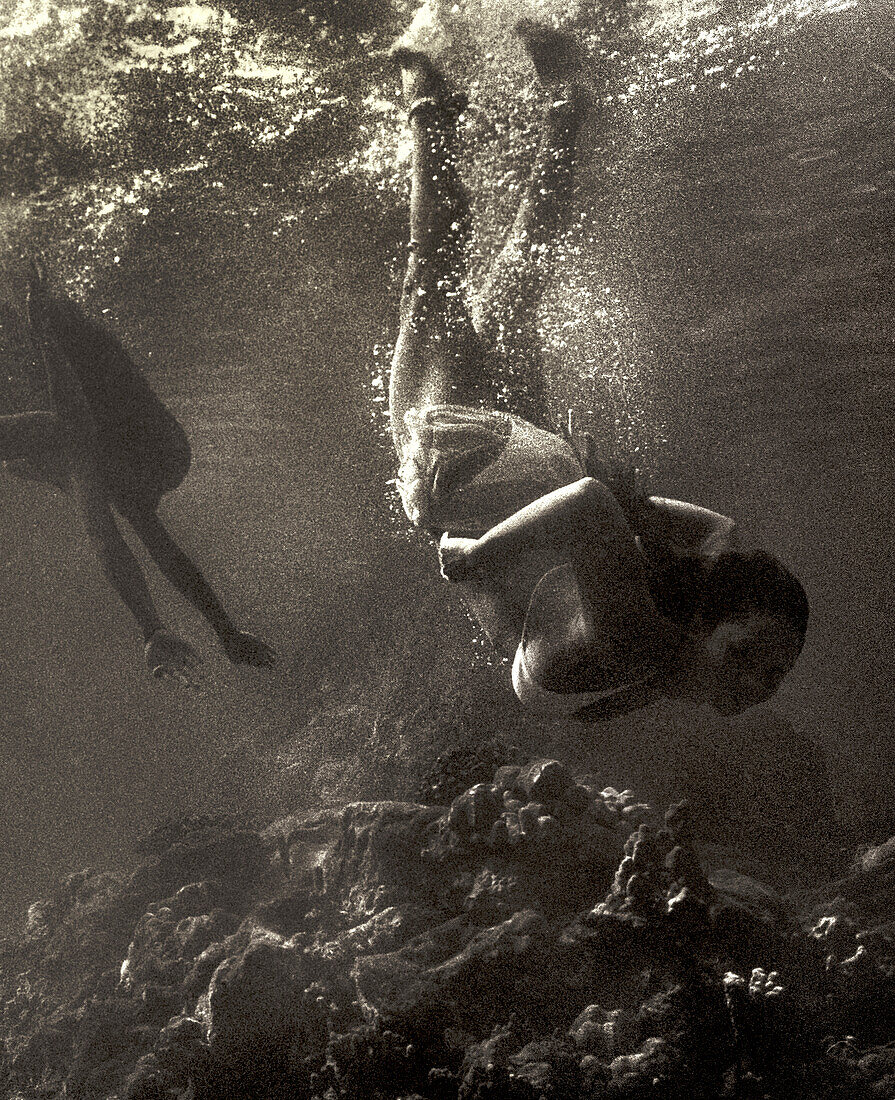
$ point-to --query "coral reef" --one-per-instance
(538, 937)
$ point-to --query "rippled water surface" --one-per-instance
(228, 194)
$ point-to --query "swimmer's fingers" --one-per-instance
(167, 675)
(453, 571)
(453, 557)
(173, 660)
(180, 676)
(190, 674)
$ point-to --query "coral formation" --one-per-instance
(537, 937)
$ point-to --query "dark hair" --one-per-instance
(739, 583)
(734, 585)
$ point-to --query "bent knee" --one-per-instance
(422, 278)
(425, 309)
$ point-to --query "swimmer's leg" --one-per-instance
(181, 572)
(544, 208)
(438, 356)
(28, 435)
(506, 311)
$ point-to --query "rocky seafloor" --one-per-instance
(538, 936)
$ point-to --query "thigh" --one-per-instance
(439, 358)
(28, 435)
(505, 309)
(511, 334)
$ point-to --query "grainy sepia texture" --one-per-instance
(225, 190)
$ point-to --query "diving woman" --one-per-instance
(606, 599)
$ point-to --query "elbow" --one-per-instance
(726, 539)
(593, 499)
(591, 491)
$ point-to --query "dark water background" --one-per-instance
(725, 305)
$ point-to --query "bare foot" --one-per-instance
(419, 77)
(554, 54)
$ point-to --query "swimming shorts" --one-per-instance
(463, 470)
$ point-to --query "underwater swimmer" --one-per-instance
(605, 598)
(110, 442)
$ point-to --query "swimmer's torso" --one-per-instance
(463, 472)
(141, 450)
(534, 608)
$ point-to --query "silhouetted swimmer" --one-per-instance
(111, 443)
(605, 598)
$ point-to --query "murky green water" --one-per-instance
(724, 304)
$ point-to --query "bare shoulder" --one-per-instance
(596, 502)
(687, 527)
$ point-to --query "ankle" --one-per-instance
(569, 101)
(420, 80)
(434, 110)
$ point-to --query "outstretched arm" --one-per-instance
(118, 563)
(77, 435)
(240, 647)
(580, 523)
(166, 654)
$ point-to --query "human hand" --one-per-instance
(171, 658)
(245, 649)
(453, 557)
